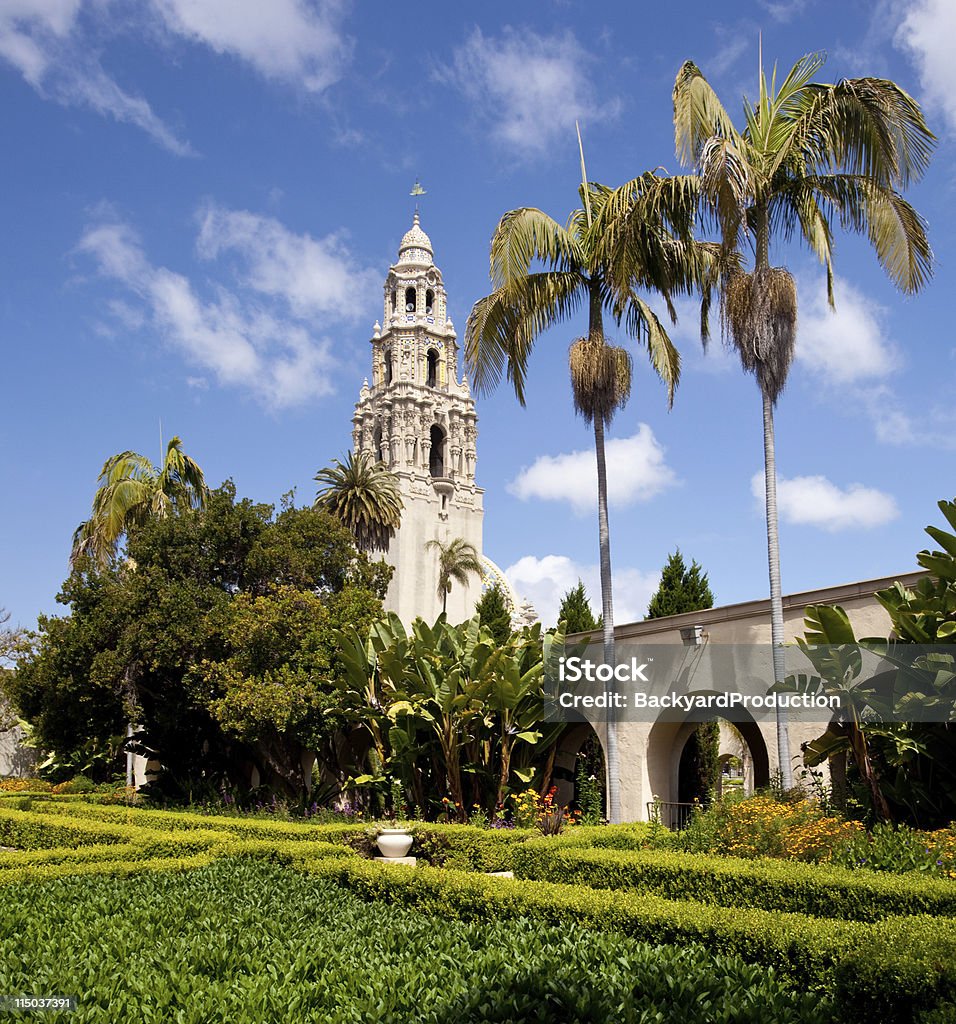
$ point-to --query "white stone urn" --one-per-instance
(394, 842)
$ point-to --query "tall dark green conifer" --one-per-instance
(681, 589)
(576, 611)
(493, 613)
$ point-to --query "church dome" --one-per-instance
(416, 246)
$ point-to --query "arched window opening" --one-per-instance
(410, 300)
(388, 367)
(431, 377)
(394, 299)
(429, 302)
(377, 441)
(436, 458)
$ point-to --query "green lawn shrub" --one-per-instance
(246, 941)
(792, 887)
(910, 972)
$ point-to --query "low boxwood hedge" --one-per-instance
(248, 942)
(789, 886)
(910, 963)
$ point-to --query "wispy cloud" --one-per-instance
(262, 338)
(544, 582)
(815, 501)
(528, 89)
(55, 45)
(289, 40)
(636, 472)
(312, 276)
(45, 42)
(926, 34)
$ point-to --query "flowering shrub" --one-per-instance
(764, 827)
(24, 786)
(531, 810)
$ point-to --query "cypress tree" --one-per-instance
(681, 589)
(576, 611)
(493, 613)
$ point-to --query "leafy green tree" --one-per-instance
(623, 241)
(575, 611)
(154, 641)
(493, 614)
(363, 494)
(133, 490)
(681, 589)
(457, 562)
(809, 154)
(277, 683)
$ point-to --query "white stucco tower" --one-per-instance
(420, 419)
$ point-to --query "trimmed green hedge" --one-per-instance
(788, 886)
(907, 966)
(248, 942)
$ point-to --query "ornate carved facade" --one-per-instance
(419, 418)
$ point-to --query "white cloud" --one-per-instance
(783, 10)
(530, 88)
(815, 501)
(846, 345)
(290, 40)
(54, 44)
(545, 581)
(43, 41)
(266, 347)
(927, 33)
(636, 472)
(314, 276)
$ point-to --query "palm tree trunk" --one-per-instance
(776, 593)
(607, 610)
(596, 332)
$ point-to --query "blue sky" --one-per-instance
(201, 199)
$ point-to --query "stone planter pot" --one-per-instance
(394, 842)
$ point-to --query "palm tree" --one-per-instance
(133, 490)
(363, 495)
(457, 560)
(808, 154)
(636, 237)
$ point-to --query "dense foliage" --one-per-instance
(902, 770)
(451, 717)
(216, 638)
(246, 941)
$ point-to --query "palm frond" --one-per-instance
(363, 494)
(504, 325)
(866, 126)
(698, 114)
(525, 235)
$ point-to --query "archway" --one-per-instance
(666, 744)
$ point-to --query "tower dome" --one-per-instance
(416, 247)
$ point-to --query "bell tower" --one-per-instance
(420, 419)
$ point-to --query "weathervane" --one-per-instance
(417, 191)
